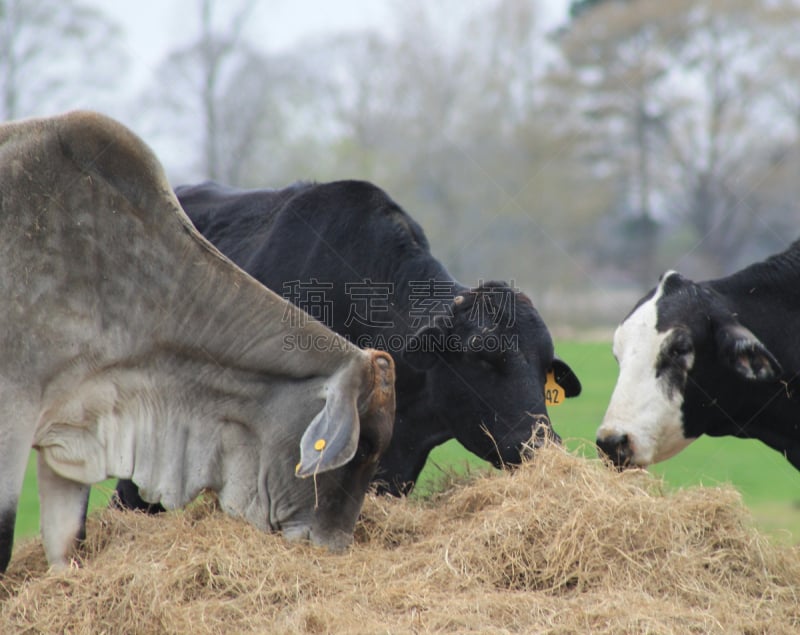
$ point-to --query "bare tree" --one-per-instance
(218, 95)
(447, 115)
(52, 52)
(667, 96)
(779, 82)
(616, 58)
(214, 51)
(400, 107)
(719, 144)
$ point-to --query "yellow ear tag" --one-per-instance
(319, 445)
(296, 468)
(553, 392)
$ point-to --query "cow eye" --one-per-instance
(482, 351)
(480, 360)
(490, 360)
(680, 349)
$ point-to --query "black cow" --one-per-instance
(471, 363)
(720, 357)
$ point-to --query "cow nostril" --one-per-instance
(543, 433)
(617, 448)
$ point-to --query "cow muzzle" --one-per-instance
(616, 448)
(510, 451)
(335, 541)
(542, 434)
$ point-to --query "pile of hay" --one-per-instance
(561, 545)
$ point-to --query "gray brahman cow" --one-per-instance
(132, 348)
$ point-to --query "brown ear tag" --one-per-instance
(553, 391)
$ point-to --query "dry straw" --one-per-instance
(561, 545)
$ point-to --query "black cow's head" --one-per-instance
(486, 366)
(681, 352)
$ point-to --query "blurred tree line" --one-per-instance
(641, 135)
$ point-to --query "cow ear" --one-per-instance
(741, 351)
(424, 347)
(331, 438)
(566, 378)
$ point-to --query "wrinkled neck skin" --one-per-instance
(178, 437)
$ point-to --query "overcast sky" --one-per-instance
(152, 27)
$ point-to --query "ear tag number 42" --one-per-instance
(553, 392)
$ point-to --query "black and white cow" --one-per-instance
(132, 348)
(720, 357)
(471, 362)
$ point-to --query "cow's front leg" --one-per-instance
(13, 459)
(16, 433)
(62, 505)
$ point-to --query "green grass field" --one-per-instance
(769, 485)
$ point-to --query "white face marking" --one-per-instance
(640, 405)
